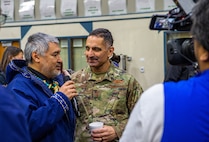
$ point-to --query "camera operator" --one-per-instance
(177, 111)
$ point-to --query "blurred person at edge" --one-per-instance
(10, 53)
(177, 111)
(115, 59)
(14, 127)
(106, 93)
(44, 96)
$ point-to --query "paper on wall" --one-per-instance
(145, 5)
(169, 4)
(68, 8)
(117, 7)
(7, 7)
(92, 7)
(47, 9)
(26, 9)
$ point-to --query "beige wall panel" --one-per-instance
(58, 30)
(10, 33)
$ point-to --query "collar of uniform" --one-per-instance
(109, 75)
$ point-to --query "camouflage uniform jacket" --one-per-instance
(107, 97)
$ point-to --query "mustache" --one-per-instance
(92, 58)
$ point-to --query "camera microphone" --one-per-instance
(73, 100)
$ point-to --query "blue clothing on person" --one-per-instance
(115, 63)
(172, 112)
(186, 110)
(50, 116)
(14, 127)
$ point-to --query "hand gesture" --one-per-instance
(68, 88)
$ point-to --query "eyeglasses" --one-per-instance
(3, 19)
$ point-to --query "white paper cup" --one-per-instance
(95, 125)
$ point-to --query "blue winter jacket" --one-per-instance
(13, 127)
(50, 116)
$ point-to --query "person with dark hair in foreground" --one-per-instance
(177, 111)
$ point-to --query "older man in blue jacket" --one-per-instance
(44, 97)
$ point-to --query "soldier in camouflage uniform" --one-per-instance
(106, 93)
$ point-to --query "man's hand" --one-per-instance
(68, 88)
(105, 134)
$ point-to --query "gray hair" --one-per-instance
(200, 26)
(38, 42)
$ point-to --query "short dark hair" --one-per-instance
(104, 33)
(200, 28)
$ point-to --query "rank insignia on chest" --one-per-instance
(118, 81)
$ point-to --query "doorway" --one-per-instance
(72, 53)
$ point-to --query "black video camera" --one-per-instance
(177, 19)
(170, 22)
(179, 51)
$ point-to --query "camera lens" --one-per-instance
(188, 49)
